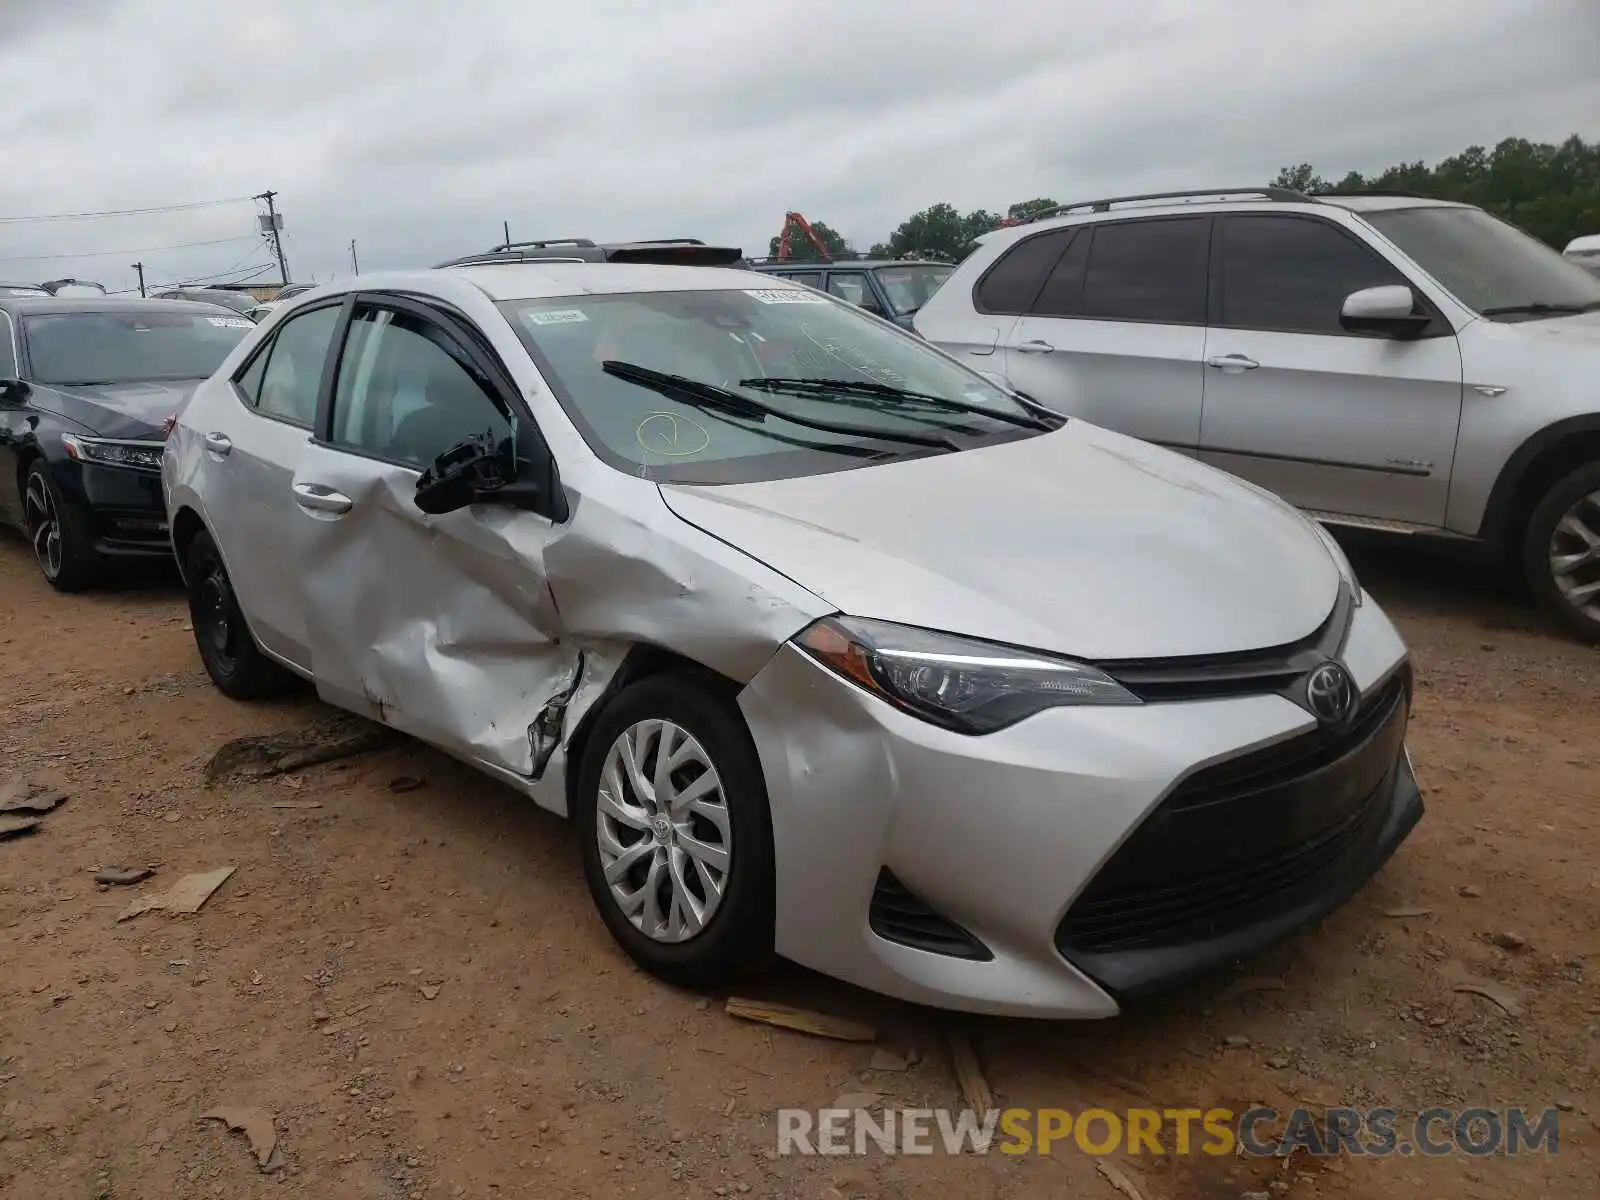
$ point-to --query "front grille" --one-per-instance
(1237, 842)
(898, 916)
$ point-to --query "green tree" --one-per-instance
(801, 249)
(1303, 178)
(1552, 191)
(1029, 208)
(939, 232)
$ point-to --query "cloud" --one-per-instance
(417, 128)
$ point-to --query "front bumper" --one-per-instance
(1059, 868)
(125, 507)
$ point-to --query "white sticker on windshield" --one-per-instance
(230, 322)
(786, 296)
(557, 316)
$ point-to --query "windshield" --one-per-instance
(128, 347)
(1488, 264)
(826, 363)
(910, 287)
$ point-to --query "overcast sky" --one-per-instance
(417, 126)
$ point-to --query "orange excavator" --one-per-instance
(793, 220)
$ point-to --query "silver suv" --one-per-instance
(1387, 362)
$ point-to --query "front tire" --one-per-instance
(59, 533)
(1561, 551)
(676, 832)
(227, 648)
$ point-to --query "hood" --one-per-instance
(117, 410)
(1578, 329)
(1080, 541)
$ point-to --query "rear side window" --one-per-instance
(1008, 287)
(1292, 274)
(1149, 271)
(293, 375)
(1062, 295)
(809, 278)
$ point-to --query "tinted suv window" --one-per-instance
(293, 373)
(1008, 288)
(405, 391)
(1292, 273)
(1148, 271)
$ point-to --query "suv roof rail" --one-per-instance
(1277, 194)
(543, 243)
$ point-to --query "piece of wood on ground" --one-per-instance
(1118, 1179)
(298, 805)
(969, 1075)
(1503, 996)
(11, 827)
(801, 1019)
(1408, 911)
(30, 798)
(261, 756)
(1249, 984)
(188, 895)
(255, 1124)
(123, 876)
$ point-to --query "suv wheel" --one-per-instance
(227, 648)
(676, 833)
(1561, 551)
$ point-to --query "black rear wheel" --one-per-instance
(227, 648)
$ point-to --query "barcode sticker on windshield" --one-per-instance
(557, 316)
(786, 296)
(230, 322)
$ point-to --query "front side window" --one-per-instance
(1493, 268)
(910, 287)
(1148, 271)
(796, 351)
(406, 392)
(8, 356)
(293, 374)
(128, 346)
(1292, 274)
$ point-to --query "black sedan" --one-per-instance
(87, 386)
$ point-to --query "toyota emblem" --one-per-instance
(1331, 694)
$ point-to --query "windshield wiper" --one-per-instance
(711, 398)
(1539, 307)
(822, 388)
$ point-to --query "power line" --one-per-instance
(125, 212)
(127, 250)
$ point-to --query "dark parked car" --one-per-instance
(683, 252)
(86, 388)
(240, 302)
(891, 288)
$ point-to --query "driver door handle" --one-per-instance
(1035, 346)
(314, 497)
(1233, 363)
(218, 443)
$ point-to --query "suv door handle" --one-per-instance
(1035, 346)
(218, 443)
(1232, 363)
(316, 498)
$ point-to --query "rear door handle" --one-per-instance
(1035, 346)
(1232, 363)
(314, 497)
(218, 443)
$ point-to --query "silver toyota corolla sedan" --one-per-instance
(832, 648)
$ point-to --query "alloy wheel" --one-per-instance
(661, 821)
(1575, 556)
(43, 523)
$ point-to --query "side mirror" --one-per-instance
(14, 391)
(477, 471)
(1389, 310)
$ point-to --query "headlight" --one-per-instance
(110, 452)
(1340, 560)
(962, 684)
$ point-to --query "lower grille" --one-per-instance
(1240, 841)
(898, 916)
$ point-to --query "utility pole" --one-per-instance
(355, 267)
(139, 267)
(506, 226)
(274, 231)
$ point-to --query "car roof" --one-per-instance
(24, 305)
(850, 264)
(1373, 202)
(538, 280)
(1588, 242)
